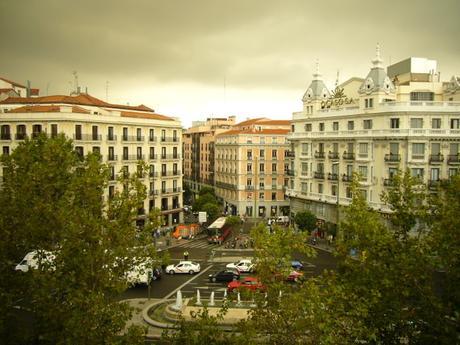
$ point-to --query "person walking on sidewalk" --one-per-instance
(186, 255)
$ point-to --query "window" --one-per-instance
(175, 135)
(139, 153)
(163, 135)
(351, 125)
(454, 123)
(6, 150)
(418, 150)
(54, 130)
(304, 168)
(249, 155)
(394, 123)
(274, 167)
(367, 124)
(163, 169)
(362, 169)
(111, 153)
(261, 196)
(249, 167)
(335, 126)
(274, 153)
(334, 189)
(363, 149)
(422, 96)
(125, 133)
(453, 148)
(110, 135)
(435, 148)
(292, 128)
(369, 103)
(308, 127)
(139, 134)
(304, 148)
(435, 123)
(274, 140)
(78, 135)
(434, 176)
(163, 152)
(94, 133)
(79, 150)
(152, 153)
(111, 192)
(416, 123)
(335, 147)
(262, 167)
(320, 188)
(151, 134)
(175, 153)
(304, 187)
(262, 154)
(321, 126)
(417, 172)
(394, 149)
(36, 130)
(97, 149)
(125, 153)
(273, 195)
(350, 147)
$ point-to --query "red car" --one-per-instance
(250, 283)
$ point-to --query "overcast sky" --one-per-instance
(199, 58)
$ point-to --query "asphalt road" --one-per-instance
(199, 250)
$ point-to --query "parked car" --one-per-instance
(243, 266)
(184, 267)
(248, 283)
(34, 258)
(227, 275)
(297, 265)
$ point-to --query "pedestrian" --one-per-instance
(186, 255)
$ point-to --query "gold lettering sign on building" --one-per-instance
(337, 99)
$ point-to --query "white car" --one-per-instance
(31, 261)
(184, 267)
(143, 273)
(243, 266)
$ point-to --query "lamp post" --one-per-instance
(338, 198)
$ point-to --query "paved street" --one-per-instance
(200, 251)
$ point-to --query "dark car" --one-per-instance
(225, 276)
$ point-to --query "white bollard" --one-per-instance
(198, 298)
(211, 302)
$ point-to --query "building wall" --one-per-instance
(168, 187)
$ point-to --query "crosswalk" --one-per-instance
(199, 243)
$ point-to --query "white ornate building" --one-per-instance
(402, 117)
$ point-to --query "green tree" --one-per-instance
(52, 199)
(305, 220)
(203, 200)
(207, 190)
(212, 210)
(233, 221)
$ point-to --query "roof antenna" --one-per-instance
(75, 80)
(337, 79)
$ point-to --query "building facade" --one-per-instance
(198, 151)
(123, 135)
(403, 118)
(251, 168)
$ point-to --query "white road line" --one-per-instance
(187, 282)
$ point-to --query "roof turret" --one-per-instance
(377, 78)
(317, 89)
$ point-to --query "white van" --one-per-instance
(31, 259)
(282, 219)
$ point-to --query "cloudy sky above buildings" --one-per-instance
(200, 58)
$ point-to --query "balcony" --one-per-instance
(436, 158)
(249, 187)
(111, 137)
(152, 139)
(112, 158)
(225, 185)
(113, 177)
(133, 157)
(87, 137)
(332, 177)
(453, 159)
(153, 157)
(169, 140)
(348, 156)
(319, 155)
(290, 172)
(5, 136)
(290, 154)
(131, 138)
(392, 157)
(347, 178)
(170, 173)
(170, 156)
(154, 192)
(333, 155)
(21, 136)
(153, 174)
(171, 190)
(319, 175)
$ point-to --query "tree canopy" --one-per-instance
(52, 199)
(305, 220)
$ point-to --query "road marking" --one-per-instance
(187, 282)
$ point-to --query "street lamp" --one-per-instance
(338, 197)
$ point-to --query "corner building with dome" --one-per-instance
(402, 116)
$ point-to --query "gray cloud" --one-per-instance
(254, 45)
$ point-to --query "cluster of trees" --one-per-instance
(207, 202)
(396, 283)
(51, 199)
(305, 220)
